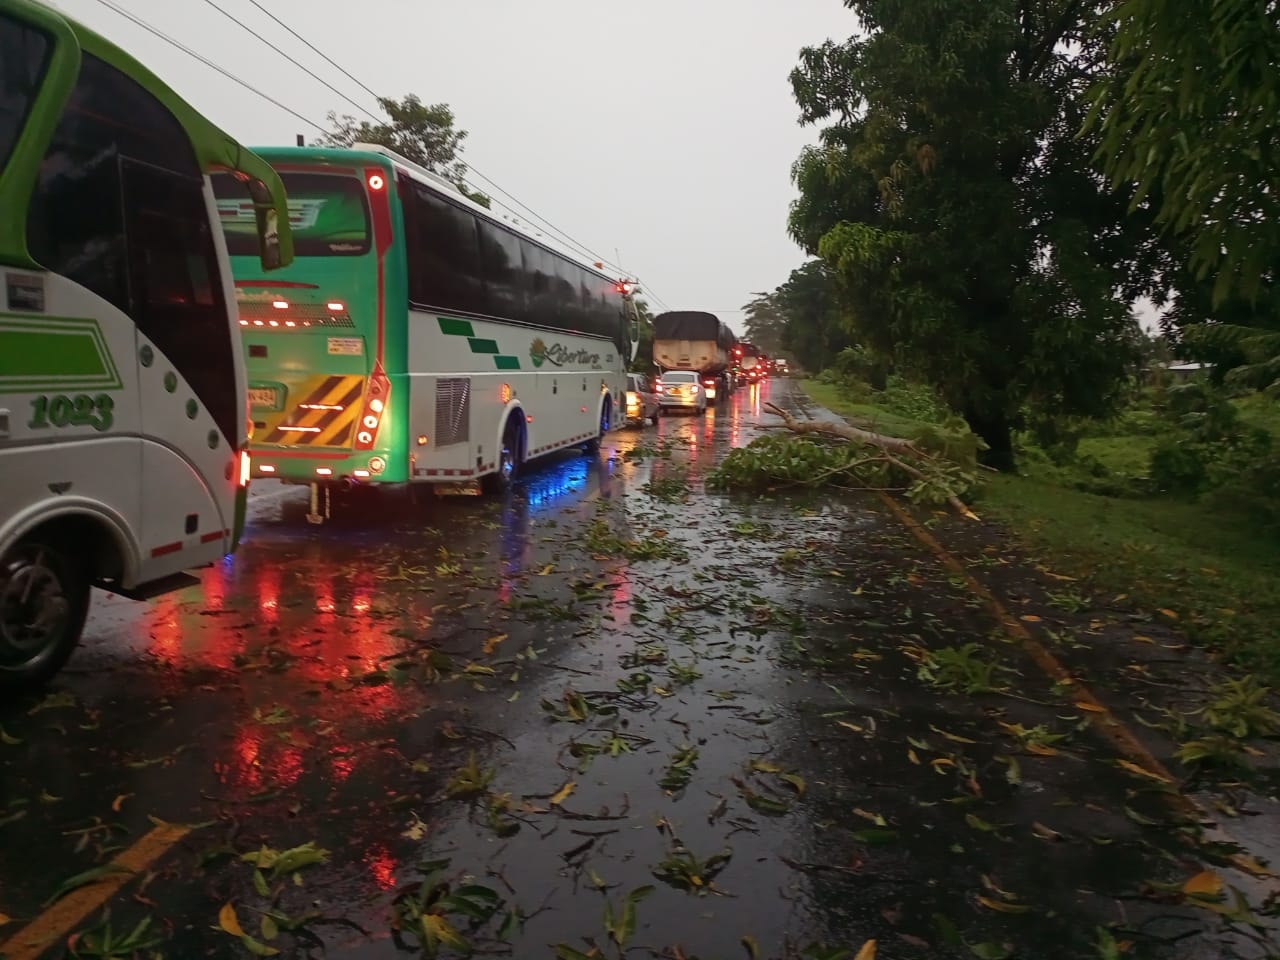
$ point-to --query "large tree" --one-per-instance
(816, 328)
(1189, 115)
(764, 323)
(421, 132)
(952, 196)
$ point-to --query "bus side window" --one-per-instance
(173, 267)
(75, 224)
(24, 54)
(444, 252)
(120, 209)
(539, 269)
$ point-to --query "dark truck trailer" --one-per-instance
(696, 341)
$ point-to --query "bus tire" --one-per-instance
(606, 424)
(509, 459)
(44, 601)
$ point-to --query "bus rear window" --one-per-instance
(328, 213)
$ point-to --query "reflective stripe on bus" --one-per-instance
(324, 417)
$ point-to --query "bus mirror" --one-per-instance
(268, 224)
(269, 238)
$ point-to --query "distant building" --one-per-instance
(1186, 371)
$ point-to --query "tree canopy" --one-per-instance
(764, 323)
(423, 133)
(1189, 115)
(955, 203)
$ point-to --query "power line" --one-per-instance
(320, 53)
(208, 63)
(575, 244)
(229, 75)
(248, 29)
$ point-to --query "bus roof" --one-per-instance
(389, 160)
(213, 147)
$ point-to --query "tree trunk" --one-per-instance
(994, 428)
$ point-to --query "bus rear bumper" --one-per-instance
(361, 467)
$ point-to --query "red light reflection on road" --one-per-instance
(382, 867)
(621, 601)
(269, 594)
(214, 589)
(262, 761)
(166, 631)
(324, 601)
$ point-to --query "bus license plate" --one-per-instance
(262, 397)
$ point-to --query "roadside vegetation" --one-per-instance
(1174, 503)
(981, 239)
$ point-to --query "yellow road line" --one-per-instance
(58, 921)
(1110, 726)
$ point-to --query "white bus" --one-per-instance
(418, 339)
(122, 389)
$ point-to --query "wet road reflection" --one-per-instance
(605, 681)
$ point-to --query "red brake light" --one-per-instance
(376, 182)
(377, 395)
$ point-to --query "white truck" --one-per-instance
(695, 341)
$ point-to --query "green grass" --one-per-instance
(864, 414)
(1219, 575)
(1125, 455)
(1216, 573)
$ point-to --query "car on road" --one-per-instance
(642, 401)
(680, 388)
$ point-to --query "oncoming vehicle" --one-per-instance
(681, 389)
(418, 338)
(642, 402)
(122, 405)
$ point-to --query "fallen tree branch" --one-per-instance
(850, 432)
(894, 449)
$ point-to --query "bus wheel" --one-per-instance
(504, 478)
(44, 600)
(606, 421)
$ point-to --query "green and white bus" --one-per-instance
(418, 338)
(123, 417)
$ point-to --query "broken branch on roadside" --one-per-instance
(937, 466)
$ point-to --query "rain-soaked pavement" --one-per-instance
(591, 719)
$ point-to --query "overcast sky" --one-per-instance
(664, 129)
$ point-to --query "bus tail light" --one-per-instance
(376, 397)
(245, 467)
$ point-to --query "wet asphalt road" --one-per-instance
(585, 692)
